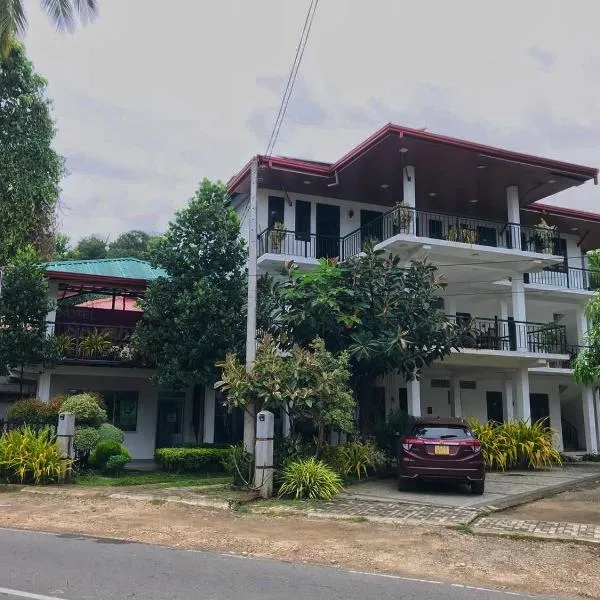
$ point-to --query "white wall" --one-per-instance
(140, 442)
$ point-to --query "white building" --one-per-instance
(473, 211)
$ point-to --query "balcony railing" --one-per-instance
(573, 278)
(292, 243)
(509, 335)
(76, 342)
(573, 351)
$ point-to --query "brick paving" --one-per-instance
(542, 529)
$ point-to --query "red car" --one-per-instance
(441, 449)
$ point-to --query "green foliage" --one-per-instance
(307, 383)
(96, 344)
(30, 456)
(86, 409)
(30, 170)
(196, 316)
(358, 458)
(115, 465)
(309, 478)
(240, 464)
(104, 450)
(371, 307)
(64, 345)
(106, 431)
(24, 306)
(191, 460)
(516, 444)
(389, 430)
(86, 439)
(28, 410)
(131, 244)
(586, 368)
(92, 247)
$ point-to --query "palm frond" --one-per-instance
(13, 23)
(61, 13)
(86, 9)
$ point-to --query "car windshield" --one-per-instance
(441, 432)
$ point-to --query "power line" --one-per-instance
(289, 88)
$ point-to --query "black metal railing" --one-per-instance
(292, 243)
(574, 278)
(454, 228)
(82, 342)
(509, 335)
(573, 351)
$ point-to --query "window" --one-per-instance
(440, 383)
(468, 385)
(436, 229)
(276, 207)
(303, 221)
(122, 408)
(560, 249)
(440, 432)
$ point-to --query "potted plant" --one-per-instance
(544, 237)
(276, 235)
(64, 344)
(402, 216)
(548, 336)
(96, 344)
(462, 234)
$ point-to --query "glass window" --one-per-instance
(302, 220)
(440, 432)
(276, 207)
(122, 409)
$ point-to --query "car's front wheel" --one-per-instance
(478, 487)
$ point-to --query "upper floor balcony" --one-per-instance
(565, 276)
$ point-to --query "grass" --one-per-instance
(463, 528)
(155, 479)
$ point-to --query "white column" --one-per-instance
(555, 417)
(519, 311)
(43, 386)
(507, 399)
(589, 419)
(522, 404)
(450, 305)
(456, 404)
(414, 397)
(504, 320)
(409, 193)
(513, 211)
(209, 415)
(51, 316)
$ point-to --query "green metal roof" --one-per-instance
(124, 268)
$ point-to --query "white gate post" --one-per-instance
(65, 434)
(263, 455)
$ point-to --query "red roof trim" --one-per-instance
(104, 279)
(564, 212)
(329, 170)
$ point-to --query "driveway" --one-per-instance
(502, 490)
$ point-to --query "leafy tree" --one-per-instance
(62, 247)
(586, 369)
(24, 306)
(196, 316)
(30, 170)
(372, 307)
(309, 384)
(131, 244)
(594, 266)
(62, 13)
(91, 247)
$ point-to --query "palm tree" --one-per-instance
(63, 13)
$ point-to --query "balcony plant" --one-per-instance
(276, 235)
(64, 345)
(548, 337)
(462, 234)
(96, 344)
(402, 216)
(544, 237)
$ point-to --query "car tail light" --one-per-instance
(408, 443)
(475, 445)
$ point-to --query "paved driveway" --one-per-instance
(501, 491)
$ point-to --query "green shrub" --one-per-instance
(86, 439)
(104, 450)
(115, 465)
(28, 410)
(86, 409)
(516, 444)
(360, 457)
(390, 430)
(54, 407)
(30, 456)
(240, 464)
(591, 457)
(191, 460)
(106, 431)
(334, 456)
(309, 478)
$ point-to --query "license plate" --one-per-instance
(442, 450)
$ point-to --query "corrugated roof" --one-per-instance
(122, 268)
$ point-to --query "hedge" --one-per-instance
(191, 460)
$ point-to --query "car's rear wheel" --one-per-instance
(478, 487)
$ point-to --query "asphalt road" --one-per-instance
(63, 567)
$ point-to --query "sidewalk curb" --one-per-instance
(542, 537)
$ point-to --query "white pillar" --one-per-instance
(250, 411)
(450, 306)
(513, 211)
(414, 397)
(209, 416)
(504, 320)
(263, 466)
(43, 386)
(589, 419)
(507, 397)
(51, 316)
(556, 417)
(409, 193)
(519, 311)
(522, 404)
(456, 404)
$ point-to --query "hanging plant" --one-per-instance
(402, 216)
(276, 235)
(545, 237)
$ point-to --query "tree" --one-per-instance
(92, 247)
(30, 170)
(62, 13)
(193, 318)
(24, 306)
(372, 307)
(131, 244)
(308, 384)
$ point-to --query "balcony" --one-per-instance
(276, 245)
(76, 343)
(572, 351)
(561, 276)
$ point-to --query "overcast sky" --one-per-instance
(156, 95)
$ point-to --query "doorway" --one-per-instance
(169, 422)
(540, 408)
(328, 231)
(495, 411)
(372, 409)
(371, 227)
